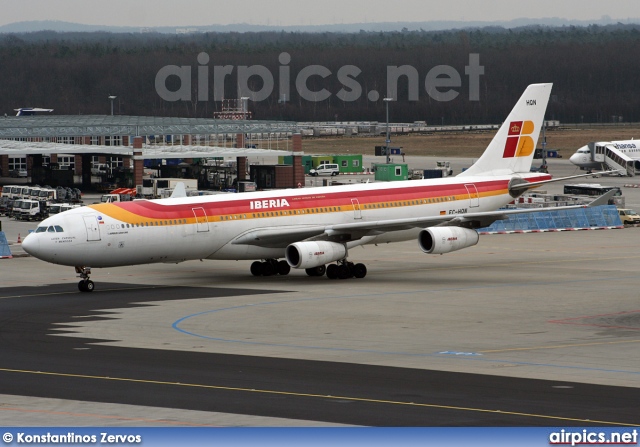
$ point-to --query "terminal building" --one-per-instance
(81, 149)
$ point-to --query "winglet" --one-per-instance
(179, 191)
(603, 199)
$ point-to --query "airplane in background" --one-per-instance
(584, 156)
(30, 111)
(309, 227)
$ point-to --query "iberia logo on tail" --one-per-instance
(519, 142)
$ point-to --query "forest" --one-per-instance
(470, 76)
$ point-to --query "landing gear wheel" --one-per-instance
(316, 271)
(283, 268)
(86, 285)
(268, 269)
(332, 271)
(256, 268)
(344, 271)
(359, 270)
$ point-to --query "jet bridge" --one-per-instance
(613, 159)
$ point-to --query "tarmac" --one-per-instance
(561, 307)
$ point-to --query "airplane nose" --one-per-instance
(31, 244)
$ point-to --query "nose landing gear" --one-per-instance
(85, 284)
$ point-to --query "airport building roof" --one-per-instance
(113, 125)
(22, 148)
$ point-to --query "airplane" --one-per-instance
(583, 159)
(309, 227)
(30, 111)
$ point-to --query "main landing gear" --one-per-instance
(342, 270)
(345, 269)
(270, 267)
(85, 284)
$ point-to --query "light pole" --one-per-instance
(387, 101)
(112, 98)
(245, 107)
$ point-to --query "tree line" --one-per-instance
(594, 71)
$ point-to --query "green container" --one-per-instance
(288, 160)
(348, 163)
(391, 172)
(321, 159)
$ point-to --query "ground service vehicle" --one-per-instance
(57, 208)
(628, 216)
(32, 210)
(325, 169)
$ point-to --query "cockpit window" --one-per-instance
(51, 229)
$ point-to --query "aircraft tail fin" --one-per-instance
(512, 149)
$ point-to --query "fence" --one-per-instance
(599, 217)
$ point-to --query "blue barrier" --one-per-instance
(548, 219)
(5, 251)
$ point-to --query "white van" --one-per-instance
(325, 169)
(99, 169)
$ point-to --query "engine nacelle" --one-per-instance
(306, 255)
(438, 240)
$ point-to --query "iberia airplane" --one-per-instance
(309, 227)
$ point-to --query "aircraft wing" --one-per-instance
(472, 220)
(278, 237)
(282, 236)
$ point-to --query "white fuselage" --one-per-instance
(180, 229)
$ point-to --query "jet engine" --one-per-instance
(439, 240)
(306, 255)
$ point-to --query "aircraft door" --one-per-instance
(357, 212)
(201, 220)
(474, 197)
(93, 228)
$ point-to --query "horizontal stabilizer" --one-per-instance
(521, 185)
(603, 199)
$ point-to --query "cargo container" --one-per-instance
(348, 163)
(391, 172)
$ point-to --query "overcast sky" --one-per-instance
(146, 13)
